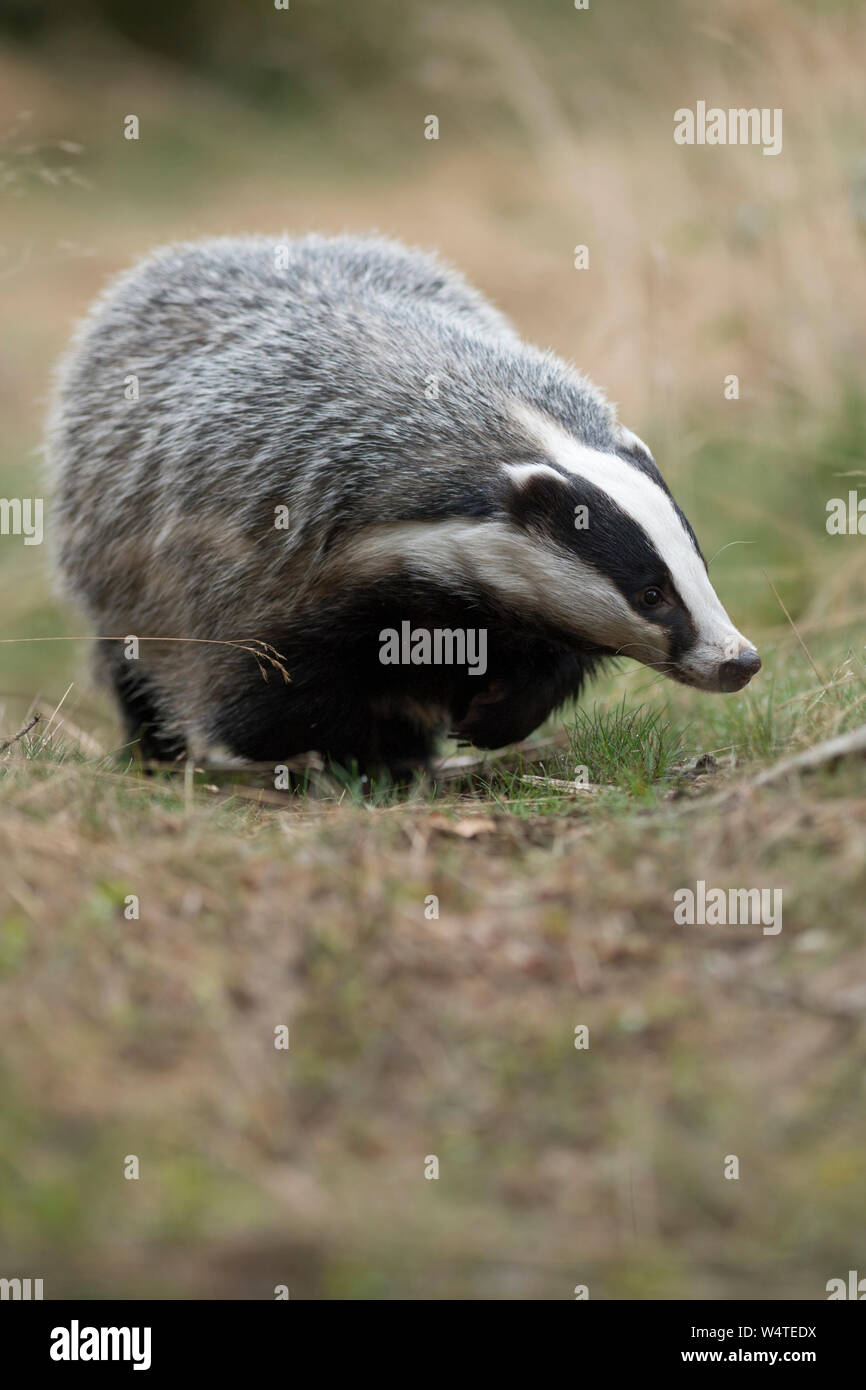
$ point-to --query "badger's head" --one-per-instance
(624, 570)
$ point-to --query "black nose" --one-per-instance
(733, 675)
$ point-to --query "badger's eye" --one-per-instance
(651, 597)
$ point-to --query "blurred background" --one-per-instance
(555, 130)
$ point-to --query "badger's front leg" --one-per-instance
(511, 706)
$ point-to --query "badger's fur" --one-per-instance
(433, 467)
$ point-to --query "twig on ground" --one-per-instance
(8, 742)
(591, 788)
(831, 750)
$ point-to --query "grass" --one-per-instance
(631, 747)
(450, 1034)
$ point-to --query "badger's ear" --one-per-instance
(535, 493)
(632, 444)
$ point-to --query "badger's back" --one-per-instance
(222, 367)
(344, 378)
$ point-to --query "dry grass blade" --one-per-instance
(794, 629)
(257, 648)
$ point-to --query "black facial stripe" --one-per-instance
(676, 618)
(612, 541)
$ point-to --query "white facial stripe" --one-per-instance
(555, 587)
(651, 507)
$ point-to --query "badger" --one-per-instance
(305, 446)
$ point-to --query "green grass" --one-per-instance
(632, 747)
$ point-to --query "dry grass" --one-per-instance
(409, 1037)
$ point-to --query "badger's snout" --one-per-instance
(721, 667)
(734, 674)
